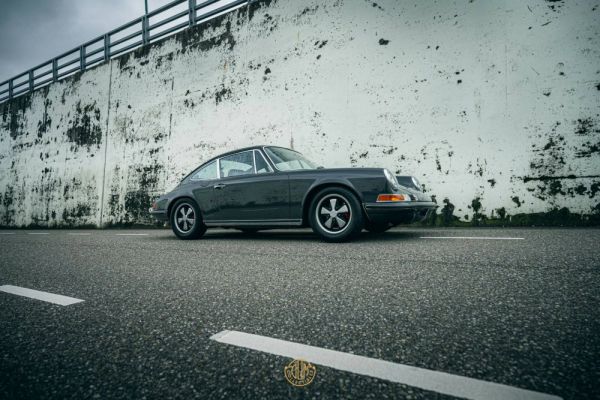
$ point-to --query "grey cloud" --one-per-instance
(33, 31)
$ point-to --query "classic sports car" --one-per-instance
(266, 187)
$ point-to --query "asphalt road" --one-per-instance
(523, 312)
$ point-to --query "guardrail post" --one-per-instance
(54, 70)
(82, 58)
(10, 89)
(145, 34)
(31, 80)
(106, 47)
(192, 6)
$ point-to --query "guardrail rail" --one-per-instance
(168, 19)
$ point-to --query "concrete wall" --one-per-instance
(492, 104)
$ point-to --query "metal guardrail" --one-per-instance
(127, 37)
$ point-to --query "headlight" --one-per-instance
(391, 178)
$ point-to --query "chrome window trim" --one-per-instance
(270, 170)
(269, 157)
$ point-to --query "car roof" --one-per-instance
(256, 147)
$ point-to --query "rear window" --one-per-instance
(206, 173)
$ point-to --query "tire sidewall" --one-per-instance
(199, 227)
(356, 220)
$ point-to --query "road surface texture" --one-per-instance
(518, 307)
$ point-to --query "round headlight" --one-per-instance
(391, 178)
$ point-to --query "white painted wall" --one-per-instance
(475, 98)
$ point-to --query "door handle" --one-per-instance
(219, 186)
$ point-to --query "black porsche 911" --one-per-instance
(266, 187)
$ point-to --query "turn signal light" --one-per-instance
(392, 197)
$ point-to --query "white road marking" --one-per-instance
(131, 234)
(441, 382)
(473, 237)
(36, 294)
(38, 233)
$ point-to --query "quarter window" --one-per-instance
(237, 164)
(208, 172)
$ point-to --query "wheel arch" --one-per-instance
(312, 192)
(176, 199)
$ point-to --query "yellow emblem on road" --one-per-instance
(300, 372)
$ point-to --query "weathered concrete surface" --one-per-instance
(493, 105)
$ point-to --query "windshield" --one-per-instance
(288, 160)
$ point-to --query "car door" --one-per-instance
(250, 190)
(202, 182)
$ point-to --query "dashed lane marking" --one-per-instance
(36, 294)
(440, 382)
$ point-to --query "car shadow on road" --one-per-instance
(297, 235)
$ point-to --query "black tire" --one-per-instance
(377, 228)
(326, 224)
(249, 231)
(183, 228)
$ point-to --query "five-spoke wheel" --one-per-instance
(335, 214)
(185, 218)
(186, 221)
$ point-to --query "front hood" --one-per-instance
(351, 170)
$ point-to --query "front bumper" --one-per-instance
(399, 212)
(159, 215)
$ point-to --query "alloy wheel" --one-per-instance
(333, 213)
(185, 218)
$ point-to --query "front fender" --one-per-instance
(318, 184)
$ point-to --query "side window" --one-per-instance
(237, 164)
(262, 167)
(206, 173)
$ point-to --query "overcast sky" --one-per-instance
(34, 31)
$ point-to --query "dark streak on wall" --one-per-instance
(46, 121)
(85, 130)
(13, 113)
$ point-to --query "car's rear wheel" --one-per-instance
(377, 228)
(186, 220)
(335, 214)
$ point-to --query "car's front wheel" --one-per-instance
(186, 220)
(335, 214)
